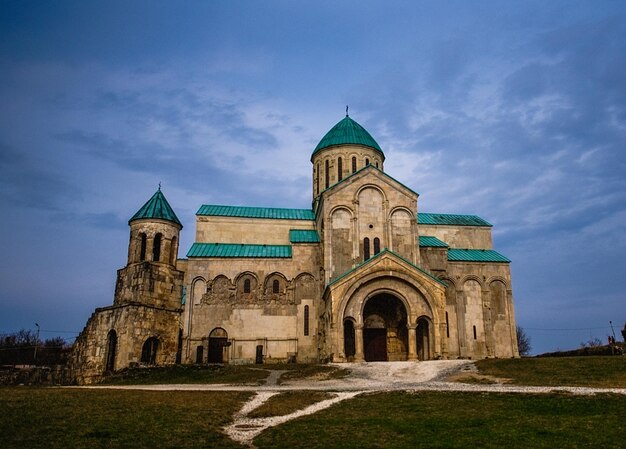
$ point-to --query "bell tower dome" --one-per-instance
(345, 149)
(150, 276)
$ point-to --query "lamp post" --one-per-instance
(36, 344)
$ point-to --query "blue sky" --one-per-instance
(514, 111)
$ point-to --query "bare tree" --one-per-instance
(523, 341)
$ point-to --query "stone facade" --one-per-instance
(362, 275)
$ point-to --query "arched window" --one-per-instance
(111, 347)
(275, 286)
(317, 179)
(306, 320)
(366, 248)
(149, 351)
(142, 250)
(353, 164)
(327, 174)
(156, 248)
(246, 285)
(376, 245)
(339, 169)
(367, 162)
(173, 251)
(376, 164)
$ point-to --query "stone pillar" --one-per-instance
(358, 343)
(412, 342)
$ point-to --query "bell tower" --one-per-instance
(345, 149)
(150, 276)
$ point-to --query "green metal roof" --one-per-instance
(256, 212)
(227, 250)
(347, 132)
(451, 219)
(386, 250)
(156, 207)
(429, 240)
(303, 236)
(475, 255)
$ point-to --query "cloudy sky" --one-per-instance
(514, 111)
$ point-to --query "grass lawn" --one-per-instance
(190, 374)
(228, 374)
(589, 371)
(289, 402)
(458, 420)
(34, 418)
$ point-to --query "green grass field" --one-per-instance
(53, 417)
(73, 418)
(590, 371)
(35, 418)
(458, 420)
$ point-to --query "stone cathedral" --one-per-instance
(363, 275)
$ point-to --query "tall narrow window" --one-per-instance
(246, 285)
(376, 164)
(306, 320)
(275, 286)
(142, 250)
(156, 248)
(353, 164)
(447, 326)
(474, 332)
(317, 180)
(366, 248)
(367, 162)
(327, 174)
(376, 245)
(173, 248)
(339, 169)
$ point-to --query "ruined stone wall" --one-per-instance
(149, 283)
(132, 325)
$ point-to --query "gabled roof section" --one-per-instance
(255, 212)
(234, 250)
(379, 255)
(347, 132)
(157, 207)
(475, 255)
(361, 170)
(303, 236)
(430, 241)
(451, 219)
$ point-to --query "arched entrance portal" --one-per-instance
(385, 335)
(422, 333)
(149, 351)
(217, 342)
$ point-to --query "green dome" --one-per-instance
(156, 207)
(347, 132)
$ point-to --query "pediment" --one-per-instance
(370, 175)
(387, 263)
